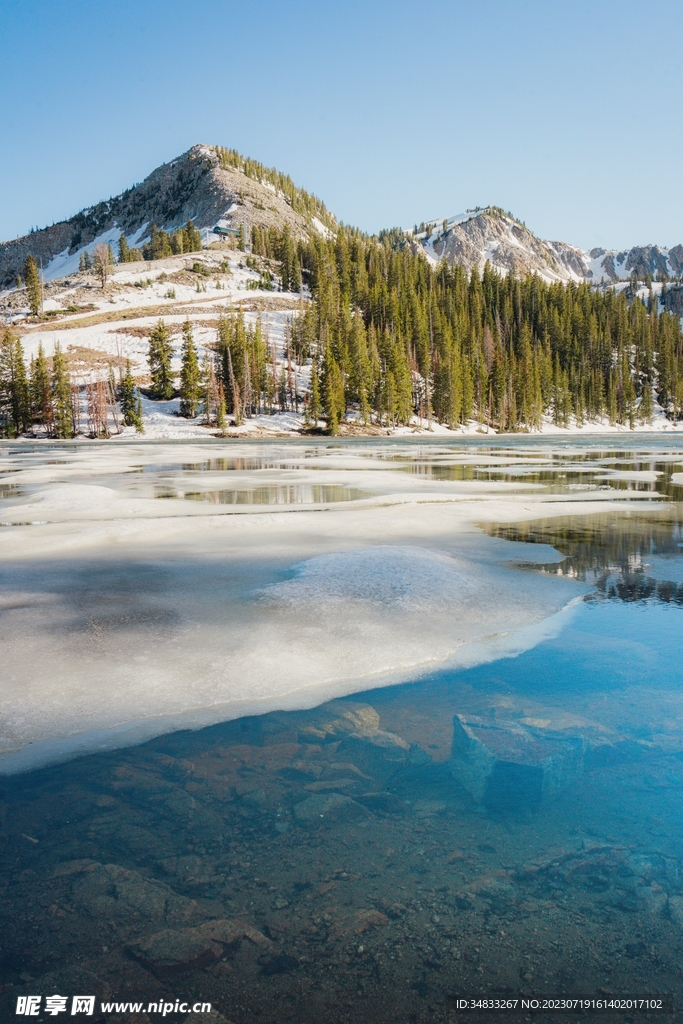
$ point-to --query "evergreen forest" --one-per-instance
(389, 336)
(394, 336)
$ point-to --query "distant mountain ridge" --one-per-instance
(477, 236)
(215, 186)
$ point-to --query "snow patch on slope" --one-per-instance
(321, 228)
(66, 263)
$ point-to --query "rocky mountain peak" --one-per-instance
(207, 184)
(494, 236)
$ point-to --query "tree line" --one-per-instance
(47, 396)
(392, 336)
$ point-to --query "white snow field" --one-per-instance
(147, 587)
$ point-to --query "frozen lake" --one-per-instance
(366, 727)
(148, 587)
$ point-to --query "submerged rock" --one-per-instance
(653, 899)
(170, 952)
(329, 805)
(512, 765)
(675, 907)
(359, 922)
(109, 891)
(174, 950)
(339, 719)
(281, 964)
(379, 754)
(384, 803)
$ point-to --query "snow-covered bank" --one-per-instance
(100, 329)
(176, 585)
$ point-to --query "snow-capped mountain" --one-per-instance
(472, 238)
(219, 189)
(198, 185)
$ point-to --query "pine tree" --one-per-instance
(645, 407)
(159, 245)
(334, 404)
(212, 393)
(63, 413)
(192, 238)
(21, 399)
(282, 391)
(189, 375)
(220, 406)
(178, 241)
(124, 251)
(247, 391)
(14, 397)
(41, 391)
(295, 275)
(131, 402)
(32, 284)
(314, 405)
(159, 358)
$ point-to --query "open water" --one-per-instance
(376, 857)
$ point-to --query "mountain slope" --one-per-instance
(207, 184)
(215, 186)
(472, 238)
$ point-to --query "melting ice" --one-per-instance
(124, 616)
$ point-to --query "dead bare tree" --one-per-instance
(291, 386)
(76, 408)
(102, 262)
(111, 401)
(236, 397)
(99, 406)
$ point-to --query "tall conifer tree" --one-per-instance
(32, 284)
(131, 402)
(15, 413)
(334, 404)
(189, 375)
(41, 390)
(63, 413)
(159, 358)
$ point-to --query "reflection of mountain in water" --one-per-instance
(628, 557)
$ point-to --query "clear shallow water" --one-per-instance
(361, 878)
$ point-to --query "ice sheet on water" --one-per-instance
(409, 578)
(125, 616)
(108, 651)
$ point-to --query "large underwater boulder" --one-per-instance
(511, 765)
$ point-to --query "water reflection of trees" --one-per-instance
(609, 551)
(558, 471)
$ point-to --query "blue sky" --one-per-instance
(392, 112)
